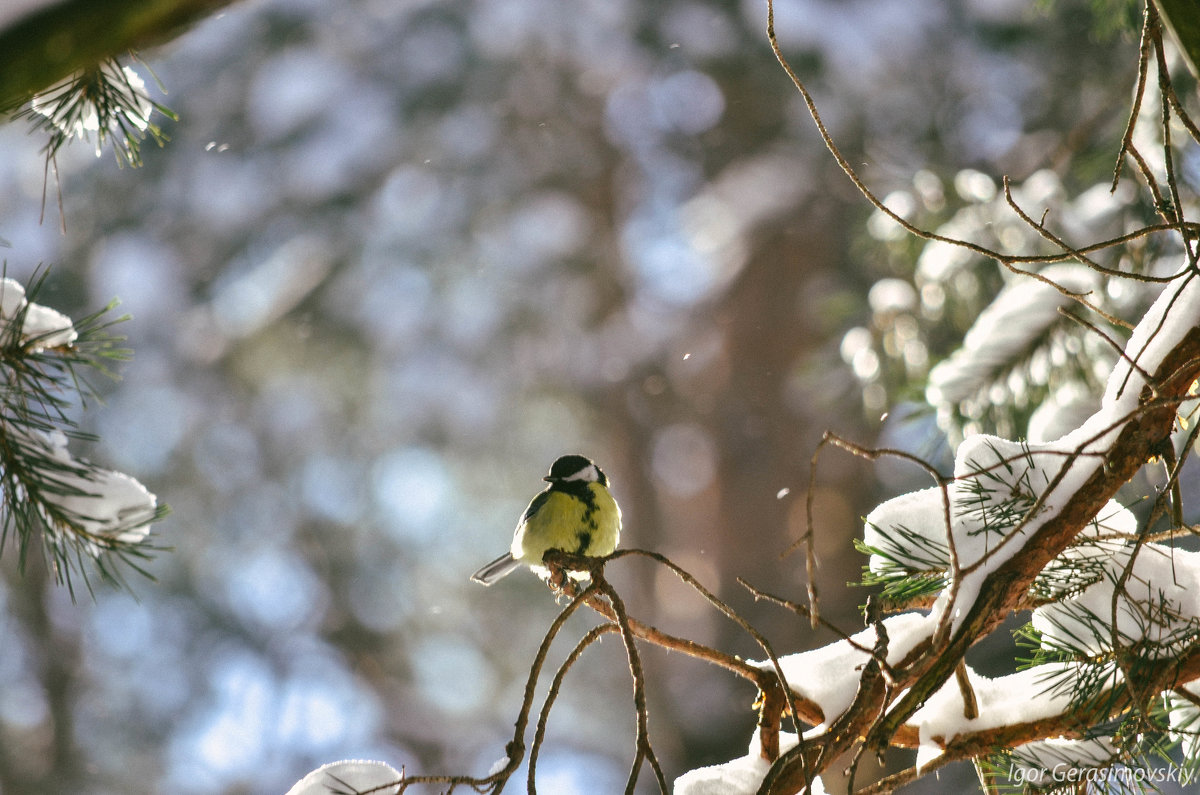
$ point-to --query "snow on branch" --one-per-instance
(85, 517)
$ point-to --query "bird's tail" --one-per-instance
(500, 567)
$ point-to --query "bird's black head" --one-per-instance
(571, 468)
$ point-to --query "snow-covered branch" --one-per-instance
(84, 516)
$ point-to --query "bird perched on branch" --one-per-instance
(575, 514)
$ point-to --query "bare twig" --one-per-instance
(970, 703)
(539, 735)
(1099, 332)
(1148, 21)
(1041, 229)
(1007, 260)
(515, 750)
(644, 750)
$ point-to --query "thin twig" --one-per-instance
(1009, 260)
(758, 676)
(1148, 19)
(539, 735)
(872, 454)
(1004, 259)
(967, 691)
(801, 610)
(1040, 228)
(1116, 346)
(1164, 81)
(644, 748)
(810, 542)
(515, 750)
(1166, 95)
(725, 610)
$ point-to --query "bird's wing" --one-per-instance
(535, 505)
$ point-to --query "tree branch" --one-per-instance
(47, 45)
(1004, 589)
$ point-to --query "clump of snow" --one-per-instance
(47, 328)
(829, 676)
(100, 502)
(1184, 719)
(114, 504)
(1055, 760)
(1004, 492)
(351, 775)
(1173, 314)
(1000, 486)
(81, 117)
(1157, 606)
(741, 776)
(911, 528)
(1021, 697)
(42, 326)
(1020, 314)
(1063, 410)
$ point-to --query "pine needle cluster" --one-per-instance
(84, 518)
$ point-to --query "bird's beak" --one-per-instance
(549, 479)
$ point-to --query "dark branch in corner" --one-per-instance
(47, 45)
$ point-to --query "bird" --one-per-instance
(576, 513)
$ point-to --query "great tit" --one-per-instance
(576, 514)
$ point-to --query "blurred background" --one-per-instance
(397, 257)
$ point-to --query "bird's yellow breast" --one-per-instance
(588, 524)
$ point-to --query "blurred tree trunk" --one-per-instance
(43, 759)
(57, 38)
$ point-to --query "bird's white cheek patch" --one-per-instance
(588, 473)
